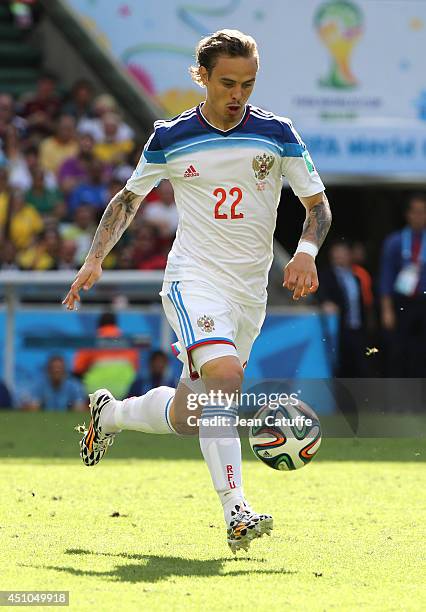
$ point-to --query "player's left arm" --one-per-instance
(300, 274)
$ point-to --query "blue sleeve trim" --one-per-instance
(292, 149)
(154, 157)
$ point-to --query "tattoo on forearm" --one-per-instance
(116, 218)
(317, 223)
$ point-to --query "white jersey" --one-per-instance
(227, 187)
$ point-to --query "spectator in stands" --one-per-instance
(340, 292)
(162, 212)
(403, 293)
(125, 169)
(57, 390)
(42, 107)
(5, 397)
(114, 186)
(22, 13)
(67, 255)
(124, 258)
(22, 166)
(158, 375)
(9, 118)
(43, 199)
(63, 145)
(92, 192)
(111, 367)
(359, 258)
(112, 149)
(75, 170)
(8, 256)
(359, 269)
(4, 189)
(146, 249)
(19, 221)
(43, 254)
(81, 100)
(104, 104)
(81, 230)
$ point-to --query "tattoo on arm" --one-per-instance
(317, 223)
(117, 217)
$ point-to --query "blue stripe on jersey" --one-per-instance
(154, 157)
(171, 134)
(218, 142)
(185, 134)
(291, 149)
(182, 323)
(191, 331)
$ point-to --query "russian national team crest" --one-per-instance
(262, 165)
(206, 323)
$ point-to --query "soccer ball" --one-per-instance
(285, 438)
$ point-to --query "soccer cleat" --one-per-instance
(94, 443)
(245, 526)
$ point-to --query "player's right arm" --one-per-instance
(115, 220)
(118, 215)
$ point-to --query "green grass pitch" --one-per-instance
(143, 530)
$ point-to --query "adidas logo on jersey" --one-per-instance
(190, 172)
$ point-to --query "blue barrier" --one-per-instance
(289, 346)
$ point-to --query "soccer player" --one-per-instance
(225, 160)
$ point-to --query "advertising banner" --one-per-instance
(349, 73)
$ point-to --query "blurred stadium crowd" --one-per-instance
(62, 158)
(65, 154)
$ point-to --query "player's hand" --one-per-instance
(300, 275)
(88, 275)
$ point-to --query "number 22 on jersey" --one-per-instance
(235, 195)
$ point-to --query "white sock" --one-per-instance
(148, 413)
(221, 448)
(231, 498)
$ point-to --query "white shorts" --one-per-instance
(209, 325)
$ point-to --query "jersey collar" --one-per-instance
(211, 127)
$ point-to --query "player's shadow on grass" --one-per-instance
(155, 568)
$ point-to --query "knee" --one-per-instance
(225, 373)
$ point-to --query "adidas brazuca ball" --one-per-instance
(285, 438)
